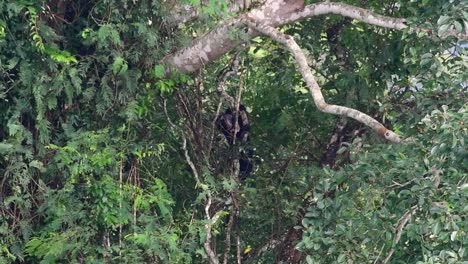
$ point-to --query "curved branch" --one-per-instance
(314, 88)
(353, 12)
(220, 40)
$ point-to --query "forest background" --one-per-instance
(110, 152)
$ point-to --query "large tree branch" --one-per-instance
(220, 40)
(314, 88)
(353, 12)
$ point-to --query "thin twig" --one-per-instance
(236, 119)
(228, 71)
(235, 217)
(184, 144)
(380, 252)
(213, 125)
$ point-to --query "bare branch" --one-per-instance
(314, 88)
(353, 12)
(236, 170)
(233, 218)
(230, 70)
(120, 204)
(237, 214)
(211, 220)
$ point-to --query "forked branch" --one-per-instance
(313, 86)
(220, 39)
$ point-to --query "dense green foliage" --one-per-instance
(94, 138)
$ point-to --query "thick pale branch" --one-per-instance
(220, 40)
(314, 88)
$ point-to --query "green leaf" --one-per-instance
(119, 66)
(443, 29)
(60, 56)
(341, 258)
(443, 20)
(5, 147)
(436, 228)
(37, 164)
(159, 71)
(12, 63)
(458, 26)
